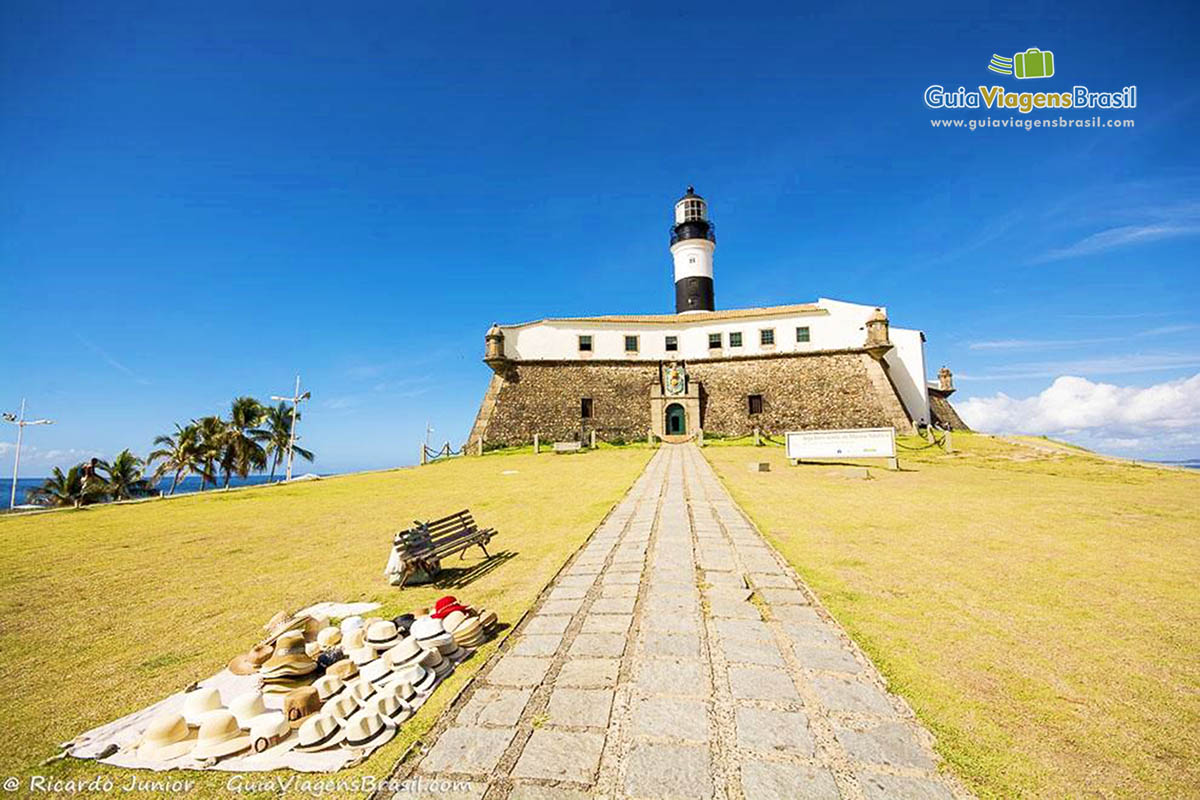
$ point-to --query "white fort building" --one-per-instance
(825, 364)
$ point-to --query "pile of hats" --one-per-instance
(207, 730)
(468, 628)
(347, 685)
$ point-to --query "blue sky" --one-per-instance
(202, 200)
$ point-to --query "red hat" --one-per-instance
(446, 610)
(445, 601)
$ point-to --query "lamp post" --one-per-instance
(295, 400)
(20, 421)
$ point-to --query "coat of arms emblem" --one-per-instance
(676, 380)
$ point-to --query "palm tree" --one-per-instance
(276, 434)
(61, 491)
(179, 454)
(213, 435)
(124, 476)
(241, 453)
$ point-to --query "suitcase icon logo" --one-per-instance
(1033, 63)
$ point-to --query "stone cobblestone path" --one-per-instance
(678, 656)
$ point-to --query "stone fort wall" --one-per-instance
(847, 389)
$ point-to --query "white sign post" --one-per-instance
(852, 443)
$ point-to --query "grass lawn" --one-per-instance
(1039, 609)
(159, 594)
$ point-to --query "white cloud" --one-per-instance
(1118, 237)
(1159, 419)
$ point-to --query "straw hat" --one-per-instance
(368, 729)
(342, 707)
(289, 656)
(329, 637)
(320, 731)
(354, 639)
(245, 707)
(470, 633)
(375, 672)
(362, 655)
(300, 704)
(199, 703)
(248, 663)
(328, 686)
(452, 620)
(431, 659)
(313, 626)
(382, 634)
(351, 624)
(282, 623)
(268, 730)
(401, 690)
(361, 689)
(219, 736)
(168, 736)
(344, 669)
(426, 628)
(416, 676)
(488, 619)
(443, 643)
(388, 704)
(407, 650)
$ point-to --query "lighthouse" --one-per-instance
(693, 240)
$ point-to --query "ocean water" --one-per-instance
(186, 486)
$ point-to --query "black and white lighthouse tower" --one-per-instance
(693, 240)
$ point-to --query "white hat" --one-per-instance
(329, 637)
(200, 702)
(382, 634)
(320, 731)
(426, 627)
(328, 687)
(361, 689)
(375, 671)
(416, 676)
(219, 736)
(245, 707)
(405, 651)
(268, 729)
(389, 704)
(168, 736)
(362, 655)
(351, 624)
(368, 729)
(341, 707)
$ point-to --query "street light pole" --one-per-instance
(295, 399)
(20, 421)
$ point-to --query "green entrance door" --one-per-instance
(676, 420)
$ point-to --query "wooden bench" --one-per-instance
(420, 549)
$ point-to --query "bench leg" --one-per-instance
(484, 549)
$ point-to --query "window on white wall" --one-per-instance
(714, 341)
(631, 344)
(735, 339)
(766, 336)
(585, 344)
(672, 344)
(802, 334)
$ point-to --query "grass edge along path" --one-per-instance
(1036, 609)
(161, 594)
